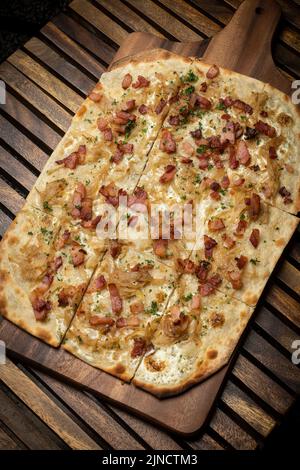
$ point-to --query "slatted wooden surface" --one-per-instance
(46, 80)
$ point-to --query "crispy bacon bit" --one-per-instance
(127, 322)
(265, 128)
(115, 248)
(188, 148)
(228, 134)
(168, 175)
(203, 87)
(141, 82)
(241, 227)
(58, 262)
(196, 302)
(216, 224)
(63, 240)
(250, 133)
(117, 156)
(102, 123)
(214, 142)
(215, 195)
(74, 159)
(225, 182)
(86, 211)
(137, 307)
(233, 161)
(101, 321)
(96, 97)
(167, 143)
(115, 298)
(77, 255)
(98, 284)
(139, 347)
(238, 182)
(201, 101)
(41, 308)
(160, 106)
(127, 80)
(272, 153)
(123, 117)
(234, 277)
(241, 261)
(214, 186)
(254, 167)
(129, 105)
(210, 286)
(254, 237)
(228, 242)
(68, 295)
(186, 161)
(264, 114)
(174, 120)
(160, 247)
(242, 106)
(253, 204)
(209, 245)
(202, 270)
(242, 153)
(285, 194)
(213, 71)
(186, 265)
(112, 193)
(139, 197)
(197, 134)
(143, 109)
(91, 224)
(107, 135)
(226, 117)
(203, 162)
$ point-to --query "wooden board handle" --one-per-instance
(244, 45)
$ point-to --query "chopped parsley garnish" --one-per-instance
(47, 207)
(153, 308)
(190, 77)
(221, 107)
(223, 192)
(242, 217)
(197, 179)
(188, 297)
(202, 149)
(189, 90)
(210, 167)
(183, 109)
(129, 126)
(243, 117)
(254, 261)
(30, 233)
(87, 182)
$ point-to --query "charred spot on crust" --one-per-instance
(212, 353)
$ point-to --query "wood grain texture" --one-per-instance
(85, 38)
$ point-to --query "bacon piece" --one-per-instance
(214, 186)
(242, 153)
(126, 148)
(117, 156)
(203, 102)
(214, 142)
(127, 80)
(167, 143)
(188, 148)
(143, 109)
(228, 242)
(41, 308)
(160, 106)
(250, 133)
(285, 194)
(186, 161)
(226, 117)
(196, 302)
(272, 153)
(122, 117)
(209, 245)
(96, 97)
(241, 227)
(127, 322)
(228, 134)
(102, 123)
(141, 82)
(115, 298)
(112, 193)
(265, 128)
(225, 182)
(213, 71)
(196, 134)
(168, 175)
(217, 160)
(186, 266)
(91, 224)
(74, 159)
(241, 261)
(58, 262)
(67, 295)
(234, 277)
(203, 162)
(202, 270)
(233, 161)
(242, 106)
(129, 105)
(139, 347)
(86, 211)
(137, 307)
(210, 286)
(101, 321)
(238, 182)
(77, 255)
(253, 204)
(115, 248)
(216, 224)
(228, 101)
(215, 195)
(63, 240)
(98, 284)
(139, 196)
(160, 247)
(254, 237)
(107, 135)
(174, 120)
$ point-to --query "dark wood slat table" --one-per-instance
(46, 80)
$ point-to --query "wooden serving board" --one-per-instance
(244, 46)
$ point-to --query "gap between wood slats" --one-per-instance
(231, 432)
(13, 201)
(8, 440)
(16, 169)
(37, 100)
(66, 47)
(59, 66)
(284, 305)
(5, 222)
(91, 43)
